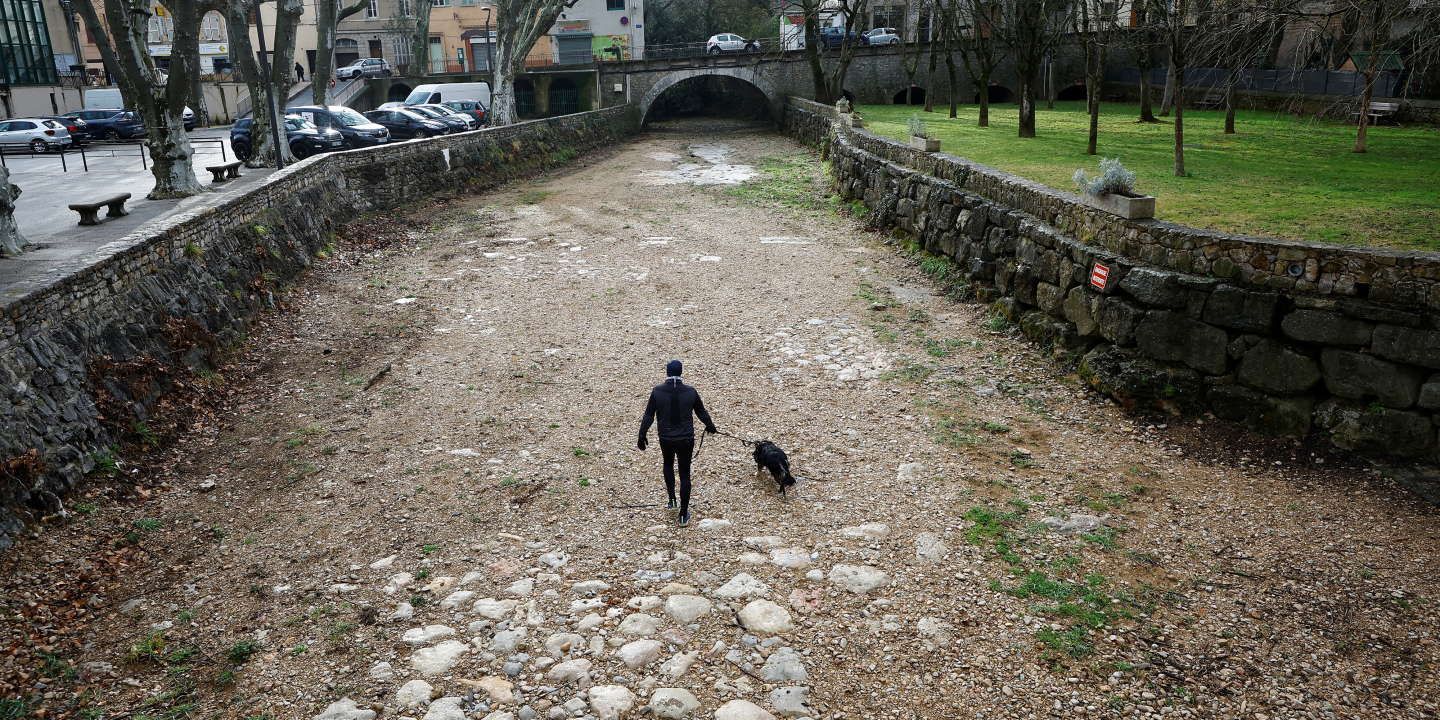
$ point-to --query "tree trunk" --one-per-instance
(1027, 106)
(328, 15)
(1145, 63)
(1230, 107)
(984, 96)
(420, 40)
(930, 79)
(502, 97)
(238, 16)
(11, 241)
(1180, 122)
(812, 58)
(107, 51)
(1092, 105)
(282, 68)
(951, 89)
(161, 105)
(1169, 96)
(1363, 127)
(1049, 85)
(197, 101)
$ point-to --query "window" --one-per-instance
(211, 29)
(372, 10)
(26, 57)
(402, 8)
(614, 4)
(440, 3)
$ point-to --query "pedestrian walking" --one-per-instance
(299, 73)
(672, 403)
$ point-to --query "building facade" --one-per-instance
(37, 52)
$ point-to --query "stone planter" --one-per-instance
(1126, 205)
(924, 143)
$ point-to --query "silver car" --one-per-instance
(364, 67)
(38, 133)
(883, 36)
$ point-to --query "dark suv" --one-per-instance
(303, 137)
(357, 130)
(111, 124)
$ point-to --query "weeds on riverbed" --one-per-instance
(787, 181)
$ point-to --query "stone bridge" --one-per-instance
(875, 75)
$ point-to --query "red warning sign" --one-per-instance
(1099, 276)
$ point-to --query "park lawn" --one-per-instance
(1278, 176)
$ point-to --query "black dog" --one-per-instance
(769, 456)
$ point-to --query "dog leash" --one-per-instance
(737, 437)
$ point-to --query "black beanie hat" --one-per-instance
(673, 368)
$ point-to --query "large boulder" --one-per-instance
(1156, 288)
(1287, 416)
(1408, 345)
(1124, 375)
(1376, 429)
(1325, 328)
(1273, 367)
(1360, 377)
(1231, 307)
(1172, 337)
(1117, 320)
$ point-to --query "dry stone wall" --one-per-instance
(85, 357)
(1290, 338)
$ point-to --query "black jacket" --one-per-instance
(673, 401)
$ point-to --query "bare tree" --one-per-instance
(101, 37)
(1030, 29)
(976, 27)
(1177, 38)
(948, 35)
(1144, 39)
(520, 24)
(828, 73)
(328, 16)
(420, 38)
(239, 14)
(11, 241)
(1385, 28)
(159, 99)
(1094, 24)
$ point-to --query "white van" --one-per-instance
(109, 99)
(449, 92)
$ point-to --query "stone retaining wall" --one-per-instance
(1287, 337)
(107, 341)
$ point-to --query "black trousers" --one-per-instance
(682, 451)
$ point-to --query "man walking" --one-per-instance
(673, 401)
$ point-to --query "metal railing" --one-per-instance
(111, 148)
(28, 150)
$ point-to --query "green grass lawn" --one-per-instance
(1278, 176)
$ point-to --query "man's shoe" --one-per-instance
(684, 518)
(672, 505)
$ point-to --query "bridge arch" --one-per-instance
(747, 74)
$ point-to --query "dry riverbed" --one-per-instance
(421, 497)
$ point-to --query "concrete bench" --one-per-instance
(224, 172)
(89, 212)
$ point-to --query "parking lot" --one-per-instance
(48, 188)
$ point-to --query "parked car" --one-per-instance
(40, 134)
(447, 112)
(304, 137)
(111, 124)
(404, 124)
(79, 129)
(452, 124)
(444, 93)
(730, 42)
(473, 108)
(354, 127)
(364, 67)
(882, 36)
(834, 37)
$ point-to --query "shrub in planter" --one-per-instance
(920, 137)
(1113, 190)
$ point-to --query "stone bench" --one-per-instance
(89, 212)
(228, 171)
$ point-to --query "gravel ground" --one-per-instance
(419, 496)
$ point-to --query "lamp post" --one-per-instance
(489, 61)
